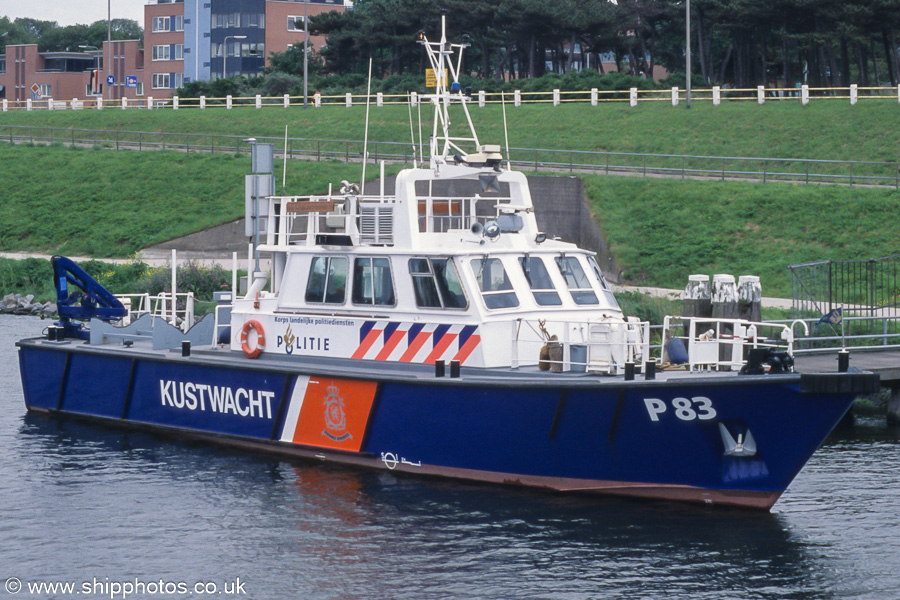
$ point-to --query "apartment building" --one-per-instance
(184, 40)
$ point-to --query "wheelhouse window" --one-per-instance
(577, 280)
(436, 283)
(496, 288)
(607, 291)
(372, 282)
(539, 281)
(327, 280)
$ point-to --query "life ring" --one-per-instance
(260, 339)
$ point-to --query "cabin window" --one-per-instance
(436, 283)
(327, 280)
(539, 281)
(372, 283)
(607, 291)
(576, 280)
(495, 286)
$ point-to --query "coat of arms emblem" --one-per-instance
(335, 419)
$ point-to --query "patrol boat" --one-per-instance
(435, 330)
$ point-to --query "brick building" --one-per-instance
(184, 40)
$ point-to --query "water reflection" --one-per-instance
(358, 533)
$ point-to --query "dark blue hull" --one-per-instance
(661, 439)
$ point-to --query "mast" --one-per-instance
(440, 56)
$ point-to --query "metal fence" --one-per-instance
(868, 291)
(869, 173)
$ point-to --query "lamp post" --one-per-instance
(687, 53)
(305, 49)
(97, 56)
(225, 50)
(109, 45)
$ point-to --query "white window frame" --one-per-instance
(179, 22)
(178, 81)
(161, 81)
(46, 90)
(179, 52)
(161, 52)
(161, 24)
(139, 90)
(292, 23)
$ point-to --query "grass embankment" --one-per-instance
(111, 204)
(661, 231)
(825, 129)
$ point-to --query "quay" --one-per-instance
(884, 362)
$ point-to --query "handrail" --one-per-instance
(797, 170)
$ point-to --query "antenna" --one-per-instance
(412, 135)
(421, 144)
(362, 182)
(505, 131)
(284, 156)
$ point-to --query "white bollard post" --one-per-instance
(174, 102)
(632, 97)
(74, 103)
(124, 102)
(898, 94)
(379, 99)
(717, 95)
(804, 94)
(5, 105)
(317, 99)
(28, 104)
(854, 94)
(593, 96)
(202, 102)
(287, 101)
(555, 97)
(228, 102)
(99, 102)
(49, 103)
(760, 94)
(481, 98)
(348, 99)
(674, 96)
(414, 99)
(149, 102)
(258, 101)
(517, 98)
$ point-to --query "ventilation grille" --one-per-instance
(377, 224)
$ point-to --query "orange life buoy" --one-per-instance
(260, 339)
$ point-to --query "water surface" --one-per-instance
(86, 503)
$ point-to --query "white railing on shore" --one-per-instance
(595, 97)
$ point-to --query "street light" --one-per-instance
(687, 53)
(225, 50)
(305, 49)
(97, 56)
